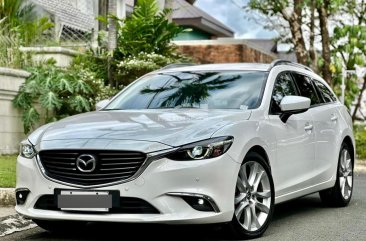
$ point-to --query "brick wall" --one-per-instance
(224, 53)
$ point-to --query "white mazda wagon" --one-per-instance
(198, 144)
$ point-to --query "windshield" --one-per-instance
(207, 90)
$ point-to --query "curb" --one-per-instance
(7, 197)
(360, 169)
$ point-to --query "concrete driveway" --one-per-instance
(303, 219)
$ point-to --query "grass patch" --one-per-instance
(7, 171)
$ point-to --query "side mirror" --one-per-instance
(293, 105)
(101, 104)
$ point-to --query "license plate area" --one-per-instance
(86, 200)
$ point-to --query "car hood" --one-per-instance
(170, 127)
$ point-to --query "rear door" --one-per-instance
(326, 125)
(294, 140)
(322, 129)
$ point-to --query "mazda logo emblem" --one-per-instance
(86, 163)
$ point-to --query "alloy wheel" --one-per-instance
(345, 174)
(252, 196)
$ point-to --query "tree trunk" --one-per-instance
(359, 99)
(312, 50)
(112, 37)
(323, 20)
(295, 22)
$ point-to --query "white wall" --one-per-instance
(11, 127)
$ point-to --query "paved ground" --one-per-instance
(302, 219)
(6, 211)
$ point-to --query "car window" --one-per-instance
(325, 92)
(283, 86)
(306, 88)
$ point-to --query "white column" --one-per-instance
(121, 9)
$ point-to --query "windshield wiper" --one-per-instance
(110, 109)
(185, 107)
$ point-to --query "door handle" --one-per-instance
(308, 127)
(334, 118)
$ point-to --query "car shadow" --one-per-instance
(304, 206)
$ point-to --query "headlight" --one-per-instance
(209, 148)
(27, 150)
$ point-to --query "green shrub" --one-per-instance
(360, 136)
(60, 92)
(133, 67)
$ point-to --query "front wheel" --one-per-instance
(254, 198)
(340, 195)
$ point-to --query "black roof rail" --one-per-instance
(287, 62)
(171, 66)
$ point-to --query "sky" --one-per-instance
(231, 15)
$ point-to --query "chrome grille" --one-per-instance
(111, 166)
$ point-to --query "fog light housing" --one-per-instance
(198, 202)
(21, 196)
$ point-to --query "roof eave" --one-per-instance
(205, 25)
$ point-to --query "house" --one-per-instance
(282, 51)
(75, 20)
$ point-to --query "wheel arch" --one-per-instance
(262, 152)
(348, 140)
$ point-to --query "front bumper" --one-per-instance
(215, 178)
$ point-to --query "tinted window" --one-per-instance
(283, 86)
(211, 90)
(306, 88)
(325, 92)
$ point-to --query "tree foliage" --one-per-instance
(338, 26)
(147, 30)
(300, 23)
(349, 51)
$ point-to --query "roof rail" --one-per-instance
(171, 66)
(287, 62)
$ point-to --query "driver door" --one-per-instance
(295, 140)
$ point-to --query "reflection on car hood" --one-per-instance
(173, 127)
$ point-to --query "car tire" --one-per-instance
(60, 226)
(340, 194)
(254, 198)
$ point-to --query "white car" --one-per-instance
(201, 144)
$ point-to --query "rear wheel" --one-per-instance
(254, 198)
(60, 226)
(340, 195)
